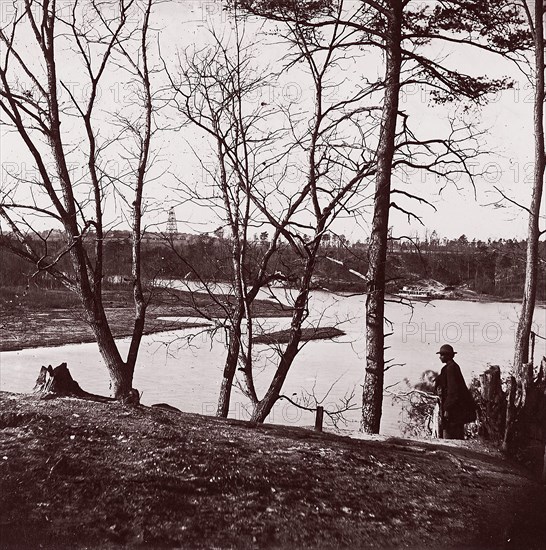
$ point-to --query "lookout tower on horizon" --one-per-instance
(172, 228)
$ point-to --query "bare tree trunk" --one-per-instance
(372, 395)
(230, 366)
(121, 373)
(523, 331)
(238, 225)
(264, 406)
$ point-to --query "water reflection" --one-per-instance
(184, 367)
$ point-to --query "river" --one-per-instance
(183, 368)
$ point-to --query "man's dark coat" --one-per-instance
(454, 395)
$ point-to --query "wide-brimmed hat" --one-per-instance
(446, 349)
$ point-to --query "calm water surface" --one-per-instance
(184, 367)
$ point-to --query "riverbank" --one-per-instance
(77, 474)
(423, 290)
(430, 289)
(54, 317)
(47, 318)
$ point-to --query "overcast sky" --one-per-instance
(474, 212)
(507, 120)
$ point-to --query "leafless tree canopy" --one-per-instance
(291, 170)
(91, 164)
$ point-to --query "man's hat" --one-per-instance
(447, 350)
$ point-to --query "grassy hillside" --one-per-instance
(78, 474)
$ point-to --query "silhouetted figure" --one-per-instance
(456, 404)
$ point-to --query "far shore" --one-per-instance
(37, 323)
(54, 318)
(466, 297)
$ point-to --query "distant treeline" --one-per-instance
(493, 267)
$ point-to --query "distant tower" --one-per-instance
(171, 223)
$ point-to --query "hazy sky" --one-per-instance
(474, 212)
(507, 121)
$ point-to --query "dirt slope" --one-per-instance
(81, 474)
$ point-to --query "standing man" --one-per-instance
(456, 403)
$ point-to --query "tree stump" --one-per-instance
(491, 405)
(525, 437)
(57, 381)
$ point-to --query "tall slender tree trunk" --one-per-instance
(264, 406)
(523, 331)
(372, 395)
(230, 365)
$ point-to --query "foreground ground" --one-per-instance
(78, 474)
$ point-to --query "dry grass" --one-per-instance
(81, 474)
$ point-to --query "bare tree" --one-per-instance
(525, 391)
(213, 90)
(213, 94)
(45, 46)
(535, 18)
(403, 30)
(336, 171)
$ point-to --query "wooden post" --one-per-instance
(510, 414)
(533, 341)
(319, 418)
